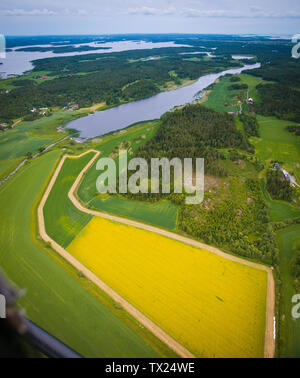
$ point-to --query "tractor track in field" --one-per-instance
(269, 348)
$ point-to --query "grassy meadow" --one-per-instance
(222, 99)
(28, 137)
(7, 166)
(63, 220)
(275, 143)
(288, 240)
(211, 305)
(21, 139)
(162, 214)
(278, 210)
(130, 139)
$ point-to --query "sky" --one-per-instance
(38, 17)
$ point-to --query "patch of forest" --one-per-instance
(105, 76)
(278, 186)
(233, 214)
(279, 100)
(250, 124)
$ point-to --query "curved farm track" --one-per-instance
(269, 349)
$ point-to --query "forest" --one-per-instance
(235, 208)
(278, 186)
(94, 78)
(294, 129)
(194, 131)
(250, 125)
(279, 100)
(111, 78)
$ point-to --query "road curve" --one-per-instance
(269, 349)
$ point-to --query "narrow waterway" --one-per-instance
(103, 122)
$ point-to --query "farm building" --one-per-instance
(286, 175)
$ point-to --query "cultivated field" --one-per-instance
(162, 214)
(278, 210)
(211, 305)
(223, 100)
(289, 242)
(277, 144)
(63, 220)
(55, 297)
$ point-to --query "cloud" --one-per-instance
(254, 12)
(82, 12)
(162, 8)
(43, 12)
(31, 12)
(147, 11)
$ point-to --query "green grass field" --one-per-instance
(18, 141)
(7, 166)
(30, 136)
(134, 136)
(252, 82)
(277, 144)
(35, 76)
(56, 298)
(223, 100)
(162, 214)
(278, 210)
(289, 328)
(62, 219)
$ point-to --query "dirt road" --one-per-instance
(163, 336)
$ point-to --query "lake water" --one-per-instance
(117, 118)
(240, 57)
(18, 62)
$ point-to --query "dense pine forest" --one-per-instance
(278, 186)
(112, 78)
(280, 99)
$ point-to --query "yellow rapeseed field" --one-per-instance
(209, 304)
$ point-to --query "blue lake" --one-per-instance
(154, 107)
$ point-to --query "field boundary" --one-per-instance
(269, 347)
(156, 330)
